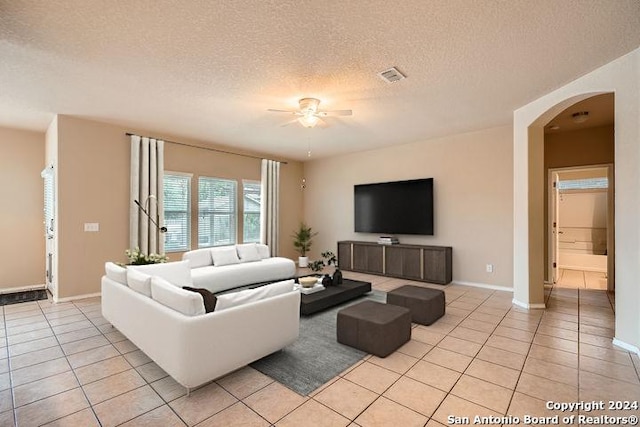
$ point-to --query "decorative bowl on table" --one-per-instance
(308, 282)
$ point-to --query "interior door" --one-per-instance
(555, 227)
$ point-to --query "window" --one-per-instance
(49, 201)
(177, 211)
(216, 212)
(251, 217)
(583, 184)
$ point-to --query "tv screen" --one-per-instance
(400, 207)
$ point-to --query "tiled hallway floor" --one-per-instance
(64, 365)
(579, 279)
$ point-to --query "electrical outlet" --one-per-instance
(489, 268)
(91, 226)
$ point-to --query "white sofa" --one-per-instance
(226, 267)
(194, 348)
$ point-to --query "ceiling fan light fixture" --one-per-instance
(580, 116)
(308, 120)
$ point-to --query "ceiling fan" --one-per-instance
(309, 115)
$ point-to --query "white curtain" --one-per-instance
(147, 171)
(269, 204)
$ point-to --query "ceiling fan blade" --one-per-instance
(290, 122)
(335, 113)
(322, 124)
(281, 111)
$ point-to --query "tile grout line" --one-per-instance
(474, 357)
(120, 354)
(72, 370)
(14, 410)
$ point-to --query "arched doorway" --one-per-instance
(621, 78)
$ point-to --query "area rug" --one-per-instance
(316, 357)
(25, 296)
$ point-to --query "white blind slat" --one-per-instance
(177, 212)
(251, 211)
(217, 210)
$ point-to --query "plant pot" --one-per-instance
(337, 277)
(303, 261)
(326, 281)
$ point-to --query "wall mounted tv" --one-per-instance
(399, 207)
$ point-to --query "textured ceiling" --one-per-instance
(210, 69)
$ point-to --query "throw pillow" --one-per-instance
(263, 250)
(209, 298)
(235, 299)
(167, 294)
(224, 256)
(177, 273)
(116, 272)
(198, 258)
(248, 252)
(139, 281)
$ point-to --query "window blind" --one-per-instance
(583, 184)
(47, 176)
(177, 212)
(216, 212)
(251, 211)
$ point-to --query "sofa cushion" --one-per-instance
(235, 299)
(116, 272)
(248, 252)
(167, 294)
(263, 250)
(225, 255)
(198, 258)
(177, 273)
(139, 281)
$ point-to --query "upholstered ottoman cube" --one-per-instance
(426, 305)
(374, 327)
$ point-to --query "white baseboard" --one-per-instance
(528, 306)
(482, 285)
(22, 288)
(77, 297)
(628, 347)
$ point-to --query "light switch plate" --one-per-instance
(91, 226)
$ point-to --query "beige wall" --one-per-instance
(21, 216)
(93, 184)
(473, 198)
(591, 146)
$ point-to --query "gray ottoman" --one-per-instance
(426, 305)
(374, 327)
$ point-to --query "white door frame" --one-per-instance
(553, 237)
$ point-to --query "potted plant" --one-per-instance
(136, 257)
(302, 240)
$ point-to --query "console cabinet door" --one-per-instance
(375, 260)
(435, 265)
(367, 258)
(402, 262)
(344, 255)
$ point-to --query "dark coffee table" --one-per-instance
(332, 295)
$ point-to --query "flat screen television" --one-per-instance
(399, 207)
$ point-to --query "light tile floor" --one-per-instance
(581, 279)
(64, 365)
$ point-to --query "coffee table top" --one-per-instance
(333, 295)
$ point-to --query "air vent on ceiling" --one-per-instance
(391, 75)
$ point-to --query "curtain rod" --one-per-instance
(205, 148)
